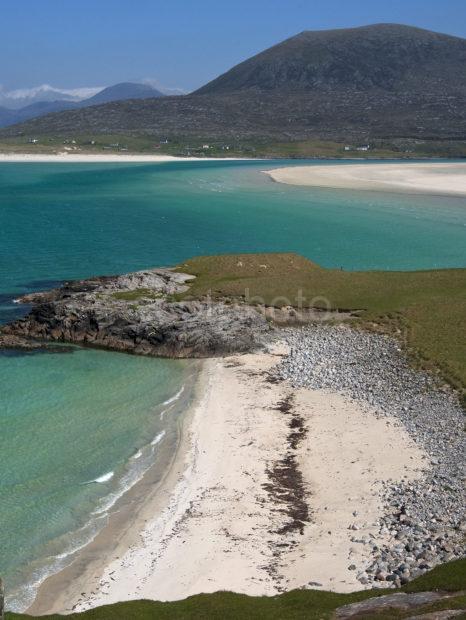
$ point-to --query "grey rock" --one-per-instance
(445, 614)
(136, 313)
(399, 601)
(2, 601)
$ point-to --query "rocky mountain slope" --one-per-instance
(380, 81)
(385, 57)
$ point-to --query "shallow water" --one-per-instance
(77, 428)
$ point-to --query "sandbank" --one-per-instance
(417, 178)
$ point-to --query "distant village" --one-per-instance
(186, 150)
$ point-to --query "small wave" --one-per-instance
(164, 411)
(16, 301)
(158, 438)
(105, 478)
(173, 398)
(131, 477)
(24, 596)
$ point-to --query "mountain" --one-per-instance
(22, 97)
(386, 57)
(40, 108)
(383, 81)
(7, 117)
(118, 92)
(121, 92)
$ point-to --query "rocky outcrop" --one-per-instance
(395, 602)
(138, 313)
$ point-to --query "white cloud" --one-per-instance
(166, 90)
(45, 92)
(20, 97)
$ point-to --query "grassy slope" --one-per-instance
(426, 309)
(295, 605)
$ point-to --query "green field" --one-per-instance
(426, 310)
(226, 147)
(295, 605)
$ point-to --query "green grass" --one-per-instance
(136, 294)
(259, 147)
(295, 605)
(450, 577)
(426, 310)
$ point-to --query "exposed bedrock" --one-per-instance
(138, 313)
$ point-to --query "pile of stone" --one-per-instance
(425, 519)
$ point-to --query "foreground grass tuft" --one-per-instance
(295, 605)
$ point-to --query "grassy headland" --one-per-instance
(426, 310)
(295, 605)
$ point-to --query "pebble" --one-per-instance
(424, 518)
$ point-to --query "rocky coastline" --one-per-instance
(136, 313)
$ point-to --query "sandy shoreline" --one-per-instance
(434, 178)
(218, 520)
(83, 158)
(130, 514)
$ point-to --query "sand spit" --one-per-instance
(427, 178)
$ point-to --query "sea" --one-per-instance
(79, 427)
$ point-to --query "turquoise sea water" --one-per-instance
(71, 423)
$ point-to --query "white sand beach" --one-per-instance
(220, 519)
(417, 178)
(83, 158)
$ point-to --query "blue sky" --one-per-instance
(180, 43)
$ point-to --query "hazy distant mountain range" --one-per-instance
(69, 100)
(21, 97)
(383, 81)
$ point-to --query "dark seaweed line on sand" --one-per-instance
(286, 489)
(286, 484)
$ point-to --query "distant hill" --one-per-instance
(118, 92)
(380, 81)
(7, 117)
(40, 108)
(122, 92)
